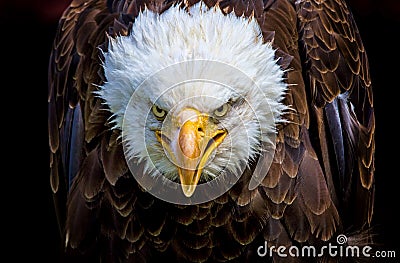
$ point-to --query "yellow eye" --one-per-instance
(158, 112)
(221, 111)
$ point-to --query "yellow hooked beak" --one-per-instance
(197, 139)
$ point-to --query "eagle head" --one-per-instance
(195, 92)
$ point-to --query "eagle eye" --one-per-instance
(158, 112)
(221, 111)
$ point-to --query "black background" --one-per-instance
(27, 28)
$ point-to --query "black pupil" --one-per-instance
(220, 109)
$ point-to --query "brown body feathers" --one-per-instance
(321, 181)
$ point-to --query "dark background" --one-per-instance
(27, 29)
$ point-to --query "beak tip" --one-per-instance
(188, 190)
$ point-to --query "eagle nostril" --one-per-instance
(200, 131)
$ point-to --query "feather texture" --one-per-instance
(320, 182)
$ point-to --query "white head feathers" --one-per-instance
(180, 45)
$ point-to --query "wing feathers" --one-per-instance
(54, 176)
(296, 222)
(330, 131)
(312, 186)
(279, 193)
(85, 190)
(113, 160)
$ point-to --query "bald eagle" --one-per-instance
(199, 131)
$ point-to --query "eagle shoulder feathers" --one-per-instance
(306, 57)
